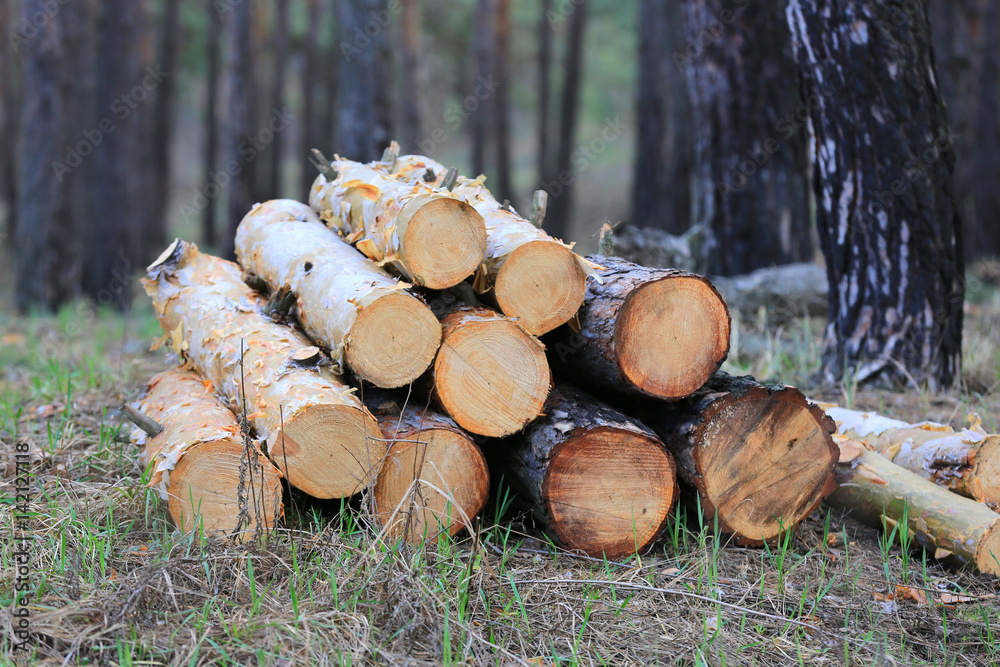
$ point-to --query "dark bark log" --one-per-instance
(665, 128)
(413, 86)
(544, 87)
(482, 121)
(883, 177)
(364, 113)
(557, 218)
(652, 332)
(214, 36)
(749, 185)
(599, 481)
(761, 457)
(504, 189)
(277, 149)
(241, 126)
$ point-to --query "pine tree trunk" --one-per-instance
(504, 189)
(10, 122)
(484, 47)
(213, 37)
(434, 480)
(199, 459)
(490, 375)
(558, 216)
(749, 187)
(544, 86)
(413, 84)
(241, 125)
(280, 38)
(155, 227)
(317, 432)
(311, 75)
(883, 179)
(364, 112)
(759, 456)
(433, 239)
(363, 316)
(644, 332)
(533, 277)
(882, 494)
(599, 481)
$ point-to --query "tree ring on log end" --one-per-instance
(452, 488)
(331, 451)
(444, 242)
(762, 460)
(542, 285)
(208, 497)
(609, 492)
(671, 335)
(393, 340)
(986, 472)
(988, 552)
(491, 377)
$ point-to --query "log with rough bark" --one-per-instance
(491, 376)
(535, 278)
(317, 432)
(210, 479)
(432, 239)
(882, 494)
(384, 332)
(966, 462)
(434, 479)
(658, 332)
(760, 456)
(599, 481)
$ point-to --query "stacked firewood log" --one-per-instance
(406, 335)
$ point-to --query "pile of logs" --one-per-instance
(408, 336)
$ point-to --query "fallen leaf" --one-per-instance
(907, 593)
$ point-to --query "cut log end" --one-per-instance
(491, 377)
(986, 472)
(208, 499)
(671, 335)
(393, 340)
(542, 285)
(431, 487)
(445, 241)
(988, 553)
(330, 451)
(763, 463)
(609, 492)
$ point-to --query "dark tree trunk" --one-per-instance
(333, 56)
(559, 185)
(986, 195)
(749, 184)
(504, 189)
(544, 88)
(311, 77)
(364, 113)
(278, 93)
(155, 227)
(413, 88)
(211, 147)
(485, 58)
(10, 118)
(664, 141)
(242, 128)
(883, 177)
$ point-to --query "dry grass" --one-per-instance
(114, 584)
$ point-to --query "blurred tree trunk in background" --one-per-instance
(483, 121)
(312, 75)
(664, 139)
(241, 139)
(10, 117)
(211, 147)
(885, 191)
(544, 87)
(161, 143)
(557, 219)
(364, 112)
(749, 185)
(504, 189)
(280, 51)
(413, 83)
(967, 52)
(144, 225)
(333, 56)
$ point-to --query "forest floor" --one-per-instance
(112, 583)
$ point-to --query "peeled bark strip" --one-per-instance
(878, 492)
(966, 462)
(431, 238)
(361, 314)
(434, 479)
(760, 456)
(659, 332)
(199, 458)
(535, 278)
(491, 376)
(314, 426)
(599, 481)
